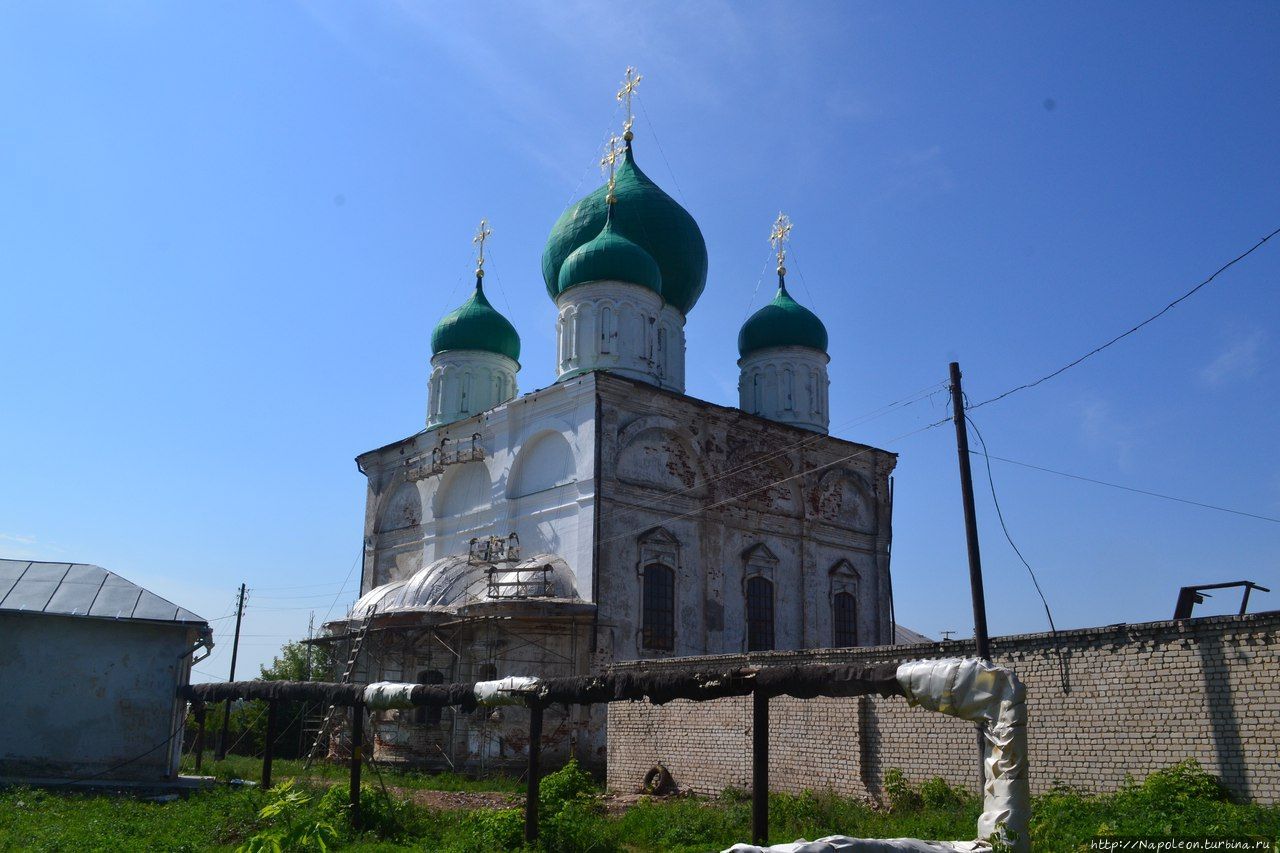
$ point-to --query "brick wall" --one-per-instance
(1125, 699)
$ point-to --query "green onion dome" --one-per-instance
(610, 257)
(644, 215)
(476, 325)
(782, 323)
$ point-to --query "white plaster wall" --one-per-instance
(786, 384)
(611, 325)
(83, 695)
(466, 382)
(549, 504)
(671, 349)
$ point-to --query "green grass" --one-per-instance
(250, 768)
(1180, 800)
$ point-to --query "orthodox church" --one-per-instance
(610, 516)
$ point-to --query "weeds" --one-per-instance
(1182, 799)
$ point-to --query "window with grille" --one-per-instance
(426, 715)
(845, 613)
(759, 614)
(659, 619)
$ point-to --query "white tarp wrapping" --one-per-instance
(504, 690)
(980, 692)
(388, 694)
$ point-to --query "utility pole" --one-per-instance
(975, 558)
(235, 649)
(970, 517)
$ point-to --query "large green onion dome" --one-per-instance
(646, 216)
(782, 323)
(609, 257)
(476, 325)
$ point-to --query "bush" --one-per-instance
(579, 826)
(485, 829)
(902, 797)
(292, 824)
(937, 794)
(380, 814)
(563, 786)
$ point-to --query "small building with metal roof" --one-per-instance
(90, 667)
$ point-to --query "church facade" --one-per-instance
(610, 516)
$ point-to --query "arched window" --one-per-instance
(606, 327)
(659, 620)
(425, 715)
(759, 614)
(464, 393)
(844, 612)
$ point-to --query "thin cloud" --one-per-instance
(1103, 431)
(1241, 359)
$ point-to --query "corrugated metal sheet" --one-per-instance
(79, 589)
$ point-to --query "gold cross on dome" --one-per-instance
(629, 84)
(612, 154)
(482, 233)
(778, 237)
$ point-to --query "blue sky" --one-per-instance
(226, 232)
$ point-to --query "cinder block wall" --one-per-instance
(1125, 699)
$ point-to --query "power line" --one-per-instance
(1137, 490)
(345, 580)
(756, 290)
(1004, 527)
(654, 131)
(300, 586)
(1120, 337)
(756, 461)
(991, 480)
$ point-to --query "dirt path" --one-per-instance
(459, 799)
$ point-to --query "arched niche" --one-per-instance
(544, 462)
(845, 500)
(763, 481)
(463, 488)
(404, 509)
(654, 453)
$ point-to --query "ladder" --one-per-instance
(331, 716)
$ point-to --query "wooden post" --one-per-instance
(270, 744)
(357, 759)
(535, 754)
(975, 557)
(201, 710)
(759, 769)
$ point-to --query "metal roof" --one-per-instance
(79, 589)
(906, 637)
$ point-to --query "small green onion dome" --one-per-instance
(646, 216)
(782, 323)
(610, 257)
(476, 325)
